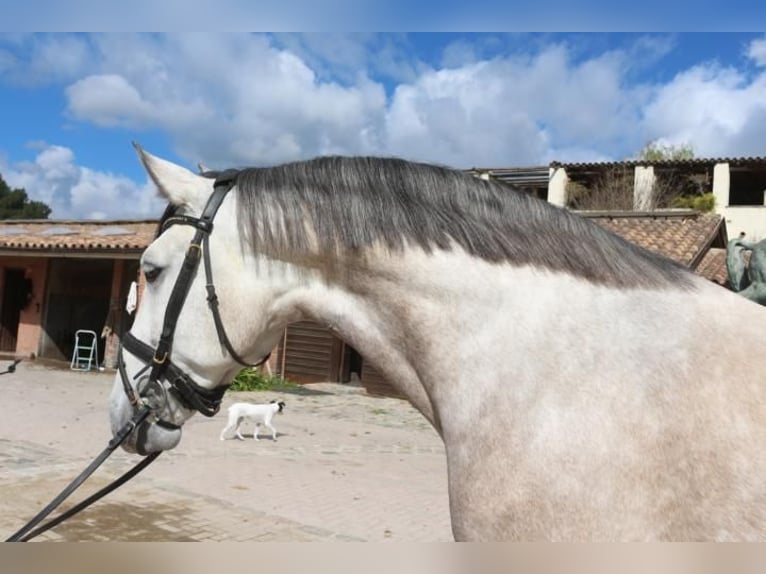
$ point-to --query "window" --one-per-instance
(747, 185)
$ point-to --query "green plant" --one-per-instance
(704, 202)
(253, 379)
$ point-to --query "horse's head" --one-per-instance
(184, 346)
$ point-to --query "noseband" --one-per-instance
(166, 378)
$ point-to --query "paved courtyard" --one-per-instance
(345, 467)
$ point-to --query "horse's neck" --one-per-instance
(431, 322)
(447, 328)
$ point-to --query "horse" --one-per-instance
(585, 389)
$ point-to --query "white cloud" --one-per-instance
(512, 111)
(756, 51)
(239, 99)
(108, 100)
(73, 191)
(228, 99)
(459, 53)
(236, 99)
(43, 59)
(719, 111)
(445, 117)
(105, 196)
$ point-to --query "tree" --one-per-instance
(15, 204)
(656, 151)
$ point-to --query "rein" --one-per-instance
(148, 403)
(11, 368)
(26, 532)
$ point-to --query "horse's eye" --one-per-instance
(151, 273)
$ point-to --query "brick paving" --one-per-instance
(345, 467)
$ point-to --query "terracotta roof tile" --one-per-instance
(682, 235)
(80, 236)
(713, 266)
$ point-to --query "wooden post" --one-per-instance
(113, 325)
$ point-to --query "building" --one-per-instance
(738, 185)
(57, 277)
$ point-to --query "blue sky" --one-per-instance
(70, 104)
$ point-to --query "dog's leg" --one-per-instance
(239, 434)
(227, 428)
(273, 431)
(255, 431)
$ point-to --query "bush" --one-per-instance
(704, 202)
(253, 379)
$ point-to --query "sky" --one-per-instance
(71, 104)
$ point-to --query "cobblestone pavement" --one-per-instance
(345, 467)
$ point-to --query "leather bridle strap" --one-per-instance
(204, 224)
(212, 300)
(178, 295)
(200, 243)
(191, 395)
(206, 401)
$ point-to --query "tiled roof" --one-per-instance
(713, 266)
(681, 235)
(697, 161)
(79, 236)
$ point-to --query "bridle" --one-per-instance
(166, 380)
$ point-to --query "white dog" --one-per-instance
(259, 414)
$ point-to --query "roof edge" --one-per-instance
(718, 230)
(77, 221)
(663, 162)
(657, 214)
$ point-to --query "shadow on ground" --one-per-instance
(129, 523)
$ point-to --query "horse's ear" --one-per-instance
(177, 184)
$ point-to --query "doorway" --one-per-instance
(352, 365)
(14, 299)
(77, 298)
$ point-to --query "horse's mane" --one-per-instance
(349, 203)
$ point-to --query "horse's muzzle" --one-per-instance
(155, 437)
(148, 437)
